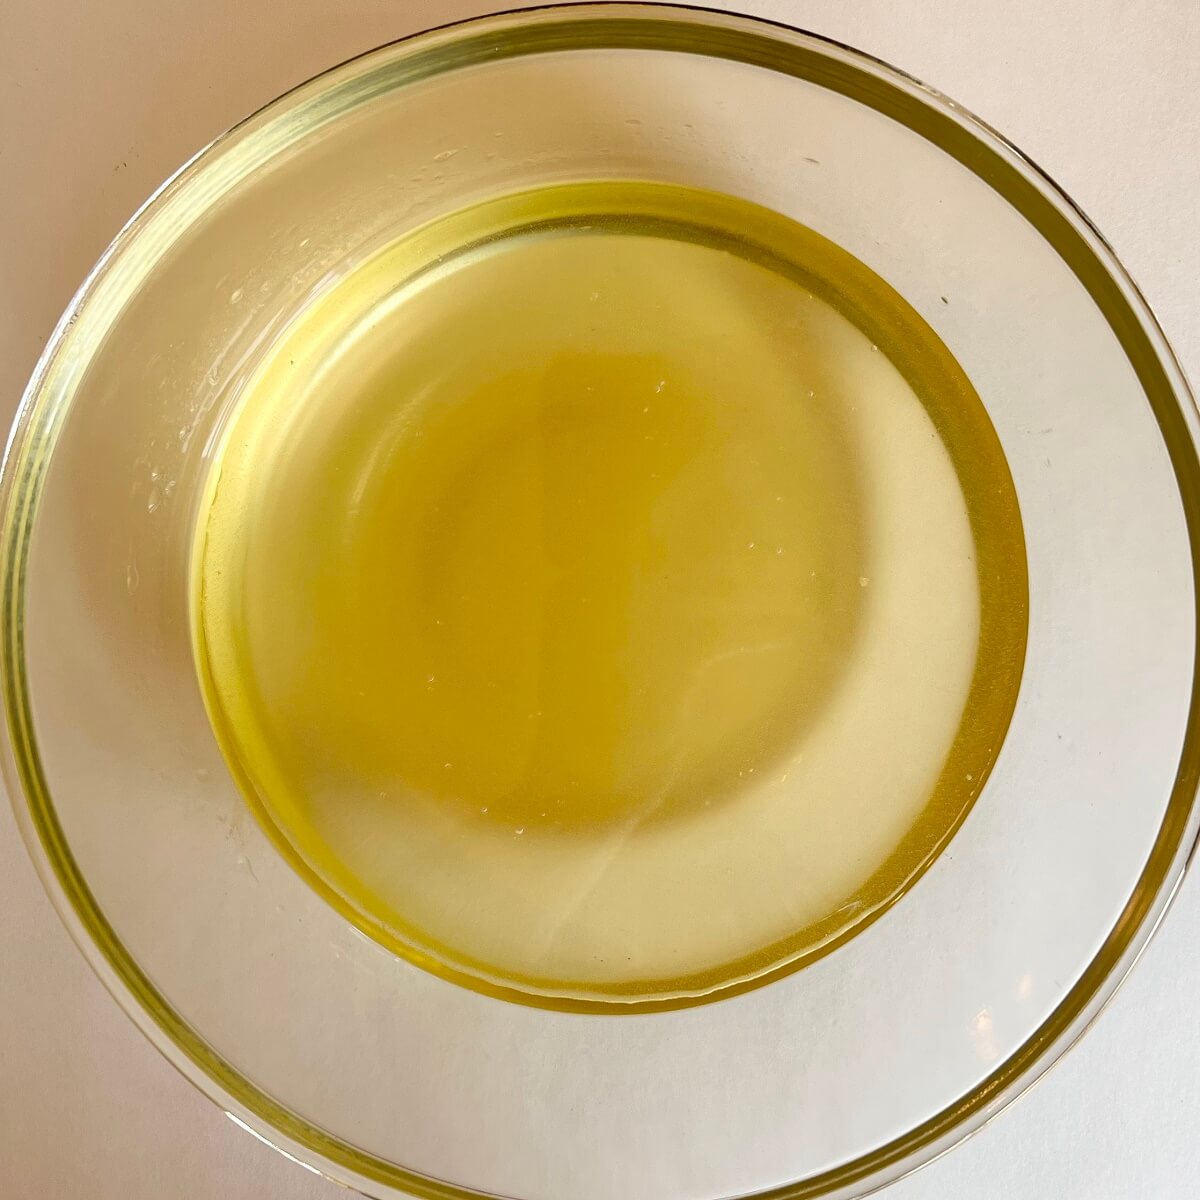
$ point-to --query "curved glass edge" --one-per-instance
(753, 41)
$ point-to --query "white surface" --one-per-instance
(95, 110)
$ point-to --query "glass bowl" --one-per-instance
(831, 1081)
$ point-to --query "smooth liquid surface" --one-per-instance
(590, 601)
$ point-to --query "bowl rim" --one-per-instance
(707, 32)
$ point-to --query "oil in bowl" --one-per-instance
(610, 595)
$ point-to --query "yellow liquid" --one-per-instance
(611, 595)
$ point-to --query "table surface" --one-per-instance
(99, 102)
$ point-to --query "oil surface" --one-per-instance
(611, 593)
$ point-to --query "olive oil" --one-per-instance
(610, 595)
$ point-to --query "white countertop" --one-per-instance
(99, 102)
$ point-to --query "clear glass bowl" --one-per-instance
(829, 1082)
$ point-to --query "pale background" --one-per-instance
(98, 102)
